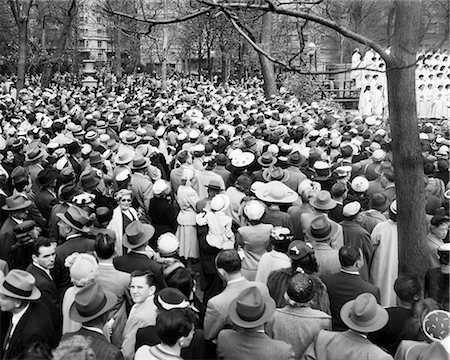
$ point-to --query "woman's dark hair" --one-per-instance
(182, 280)
(308, 264)
(173, 324)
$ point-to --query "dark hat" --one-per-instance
(91, 302)
(170, 298)
(20, 284)
(346, 151)
(16, 202)
(67, 192)
(296, 159)
(221, 159)
(89, 180)
(140, 163)
(300, 288)
(137, 234)
(379, 202)
(46, 177)
(19, 175)
(275, 173)
(95, 158)
(323, 201)
(319, 229)
(251, 308)
(214, 185)
(250, 141)
(73, 147)
(437, 220)
(75, 218)
(67, 175)
(267, 159)
(34, 154)
(299, 250)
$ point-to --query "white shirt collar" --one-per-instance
(91, 328)
(47, 271)
(16, 318)
(235, 280)
(350, 272)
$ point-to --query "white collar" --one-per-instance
(47, 271)
(91, 328)
(19, 221)
(16, 318)
(235, 280)
(350, 272)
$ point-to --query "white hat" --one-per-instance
(159, 186)
(243, 159)
(371, 120)
(123, 175)
(254, 210)
(378, 155)
(86, 149)
(360, 184)
(393, 207)
(220, 202)
(182, 136)
(423, 136)
(321, 165)
(194, 134)
(273, 149)
(198, 148)
(160, 131)
(167, 244)
(443, 150)
(351, 209)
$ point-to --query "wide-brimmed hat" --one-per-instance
(75, 218)
(276, 192)
(34, 154)
(251, 308)
(275, 173)
(16, 202)
(267, 159)
(214, 185)
(296, 159)
(319, 230)
(95, 158)
(220, 202)
(436, 325)
(298, 250)
(242, 159)
(170, 298)
(124, 156)
(46, 177)
(137, 234)
(20, 284)
(89, 180)
(360, 184)
(140, 163)
(323, 201)
(91, 302)
(364, 314)
(19, 174)
(130, 138)
(67, 191)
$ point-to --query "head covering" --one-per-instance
(319, 229)
(75, 218)
(220, 202)
(351, 209)
(16, 202)
(168, 244)
(276, 192)
(323, 201)
(170, 298)
(137, 234)
(299, 250)
(436, 325)
(19, 284)
(254, 210)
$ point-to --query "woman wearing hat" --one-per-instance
(187, 198)
(123, 215)
(254, 238)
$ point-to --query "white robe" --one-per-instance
(384, 268)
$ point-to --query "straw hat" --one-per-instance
(276, 192)
(20, 284)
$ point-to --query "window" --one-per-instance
(99, 31)
(98, 19)
(99, 44)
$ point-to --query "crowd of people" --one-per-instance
(210, 222)
(432, 84)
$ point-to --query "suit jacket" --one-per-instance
(7, 239)
(218, 306)
(50, 295)
(44, 201)
(247, 345)
(142, 187)
(60, 208)
(136, 261)
(75, 166)
(343, 287)
(102, 348)
(34, 326)
(346, 345)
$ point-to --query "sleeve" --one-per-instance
(129, 338)
(214, 321)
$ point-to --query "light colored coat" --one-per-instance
(116, 225)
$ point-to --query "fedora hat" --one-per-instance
(124, 156)
(140, 163)
(267, 159)
(251, 309)
(319, 229)
(276, 192)
(364, 314)
(296, 159)
(75, 218)
(16, 202)
(34, 154)
(19, 174)
(95, 158)
(323, 201)
(275, 173)
(20, 284)
(89, 180)
(137, 234)
(130, 138)
(46, 177)
(91, 302)
(214, 185)
(67, 191)
(170, 298)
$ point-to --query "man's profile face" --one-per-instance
(46, 258)
(7, 303)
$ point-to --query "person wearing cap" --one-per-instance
(31, 321)
(221, 161)
(140, 183)
(206, 177)
(384, 268)
(339, 193)
(297, 323)
(36, 160)
(143, 312)
(362, 315)
(236, 194)
(46, 197)
(388, 183)
(228, 266)
(140, 256)
(90, 308)
(355, 234)
(369, 218)
(112, 280)
(167, 301)
(183, 160)
(437, 279)
(437, 233)
(347, 283)
(249, 312)
(74, 151)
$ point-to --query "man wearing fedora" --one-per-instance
(36, 158)
(136, 238)
(141, 185)
(249, 312)
(45, 196)
(74, 150)
(214, 188)
(31, 321)
(90, 308)
(72, 226)
(362, 316)
(17, 207)
(296, 176)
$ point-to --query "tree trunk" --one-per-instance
(23, 52)
(405, 137)
(270, 87)
(49, 69)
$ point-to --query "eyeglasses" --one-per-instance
(125, 200)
